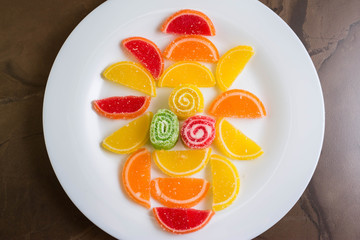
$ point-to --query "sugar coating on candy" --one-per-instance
(189, 22)
(198, 132)
(186, 101)
(180, 221)
(125, 107)
(147, 53)
(164, 129)
(192, 48)
(179, 192)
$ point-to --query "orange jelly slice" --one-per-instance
(136, 176)
(192, 48)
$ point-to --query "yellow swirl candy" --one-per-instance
(186, 100)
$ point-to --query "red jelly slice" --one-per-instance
(181, 220)
(147, 53)
(189, 22)
(122, 107)
(198, 132)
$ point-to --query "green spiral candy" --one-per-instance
(164, 129)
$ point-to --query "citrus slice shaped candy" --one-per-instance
(198, 132)
(231, 65)
(130, 137)
(185, 72)
(237, 103)
(179, 192)
(126, 107)
(141, 79)
(187, 22)
(186, 100)
(181, 163)
(233, 143)
(147, 53)
(225, 182)
(136, 176)
(180, 220)
(164, 130)
(192, 48)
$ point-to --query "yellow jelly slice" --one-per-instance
(130, 137)
(185, 101)
(132, 75)
(233, 143)
(187, 72)
(231, 65)
(225, 182)
(181, 163)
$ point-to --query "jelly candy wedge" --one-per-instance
(186, 72)
(186, 101)
(147, 53)
(237, 103)
(179, 192)
(233, 143)
(180, 220)
(141, 79)
(192, 48)
(198, 132)
(181, 163)
(164, 129)
(231, 65)
(136, 176)
(130, 137)
(189, 22)
(225, 182)
(126, 107)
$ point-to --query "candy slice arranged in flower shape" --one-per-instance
(136, 176)
(198, 132)
(147, 53)
(181, 163)
(179, 192)
(189, 22)
(130, 137)
(164, 130)
(225, 182)
(192, 48)
(187, 72)
(233, 143)
(126, 107)
(186, 100)
(141, 79)
(237, 103)
(180, 220)
(231, 65)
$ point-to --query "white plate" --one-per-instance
(281, 74)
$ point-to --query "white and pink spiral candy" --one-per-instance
(198, 132)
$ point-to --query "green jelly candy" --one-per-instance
(164, 129)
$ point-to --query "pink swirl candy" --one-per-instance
(198, 132)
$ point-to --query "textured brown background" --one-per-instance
(32, 202)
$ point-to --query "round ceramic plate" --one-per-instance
(281, 74)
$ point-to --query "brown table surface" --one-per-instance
(34, 206)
